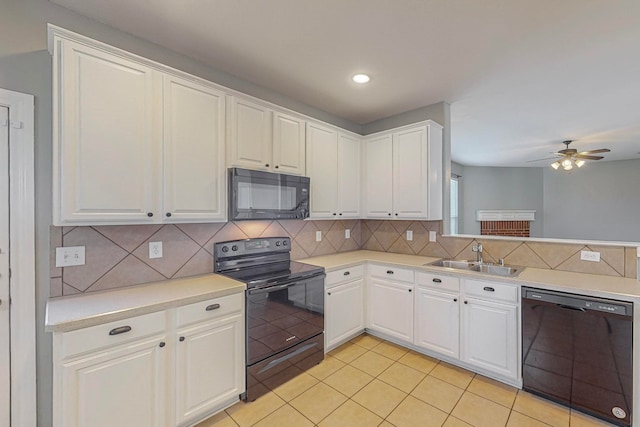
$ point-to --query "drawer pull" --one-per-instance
(328, 293)
(455, 300)
(181, 339)
(437, 280)
(212, 307)
(120, 330)
(162, 344)
(346, 273)
(389, 271)
(489, 289)
(410, 290)
(466, 302)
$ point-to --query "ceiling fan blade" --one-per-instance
(601, 150)
(539, 160)
(585, 157)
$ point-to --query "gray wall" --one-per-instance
(500, 188)
(437, 112)
(600, 201)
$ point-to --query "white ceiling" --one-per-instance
(520, 75)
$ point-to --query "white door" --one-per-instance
(378, 177)
(288, 144)
(437, 322)
(410, 176)
(250, 135)
(390, 309)
(344, 315)
(5, 367)
(322, 168)
(194, 164)
(349, 160)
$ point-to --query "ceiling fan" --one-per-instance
(568, 157)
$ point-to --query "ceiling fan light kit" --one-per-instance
(572, 158)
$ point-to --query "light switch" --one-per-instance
(68, 256)
(432, 236)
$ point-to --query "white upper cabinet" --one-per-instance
(333, 164)
(133, 142)
(106, 140)
(194, 163)
(263, 139)
(403, 173)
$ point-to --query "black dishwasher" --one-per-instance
(578, 351)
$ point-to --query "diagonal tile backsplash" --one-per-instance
(118, 256)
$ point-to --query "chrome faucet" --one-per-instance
(477, 248)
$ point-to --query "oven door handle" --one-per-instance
(282, 359)
(271, 288)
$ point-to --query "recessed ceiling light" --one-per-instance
(361, 78)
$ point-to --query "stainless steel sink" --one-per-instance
(485, 267)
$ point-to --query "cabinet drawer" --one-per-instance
(344, 275)
(112, 333)
(209, 309)
(437, 281)
(491, 291)
(396, 274)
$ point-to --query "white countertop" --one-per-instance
(590, 284)
(80, 311)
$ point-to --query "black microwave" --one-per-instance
(267, 195)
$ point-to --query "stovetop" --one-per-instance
(274, 273)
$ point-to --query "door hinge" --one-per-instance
(16, 124)
(4, 122)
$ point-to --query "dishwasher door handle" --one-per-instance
(568, 307)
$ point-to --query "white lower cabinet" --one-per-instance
(489, 327)
(390, 302)
(142, 370)
(344, 302)
(437, 321)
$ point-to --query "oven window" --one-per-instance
(255, 196)
(281, 318)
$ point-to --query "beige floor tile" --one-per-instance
(454, 422)
(438, 393)
(493, 390)
(325, 368)
(402, 377)
(348, 380)
(295, 386)
(480, 412)
(366, 341)
(452, 374)
(419, 361)
(221, 419)
(541, 409)
(414, 412)
(246, 414)
(350, 414)
(578, 419)
(284, 416)
(390, 350)
(386, 424)
(516, 419)
(372, 363)
(318, 402)
(348, 352)
(379, 397)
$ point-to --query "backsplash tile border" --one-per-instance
(188, 249)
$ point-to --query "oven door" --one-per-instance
(281, 316)
(265, 195)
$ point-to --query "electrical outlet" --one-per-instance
(432, 236)
(347, 233)
(318, 236)
(409, 235)
(68, 256)
(590, 256)
(155, 250)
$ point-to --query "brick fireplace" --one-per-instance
(514, 223)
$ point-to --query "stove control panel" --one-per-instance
(248, 247)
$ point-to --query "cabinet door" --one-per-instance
(322, 168)
(344, 312)
(489, 336)
(390, 309)
(249, 135)
(106, 137)
(378, 177)
(210, 366)
(194, 164)
(121, 387)
(410, 175)
(288, 144)
(437, 321)
(349, 160)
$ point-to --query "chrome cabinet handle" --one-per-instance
(212, 307)
(120, 330)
